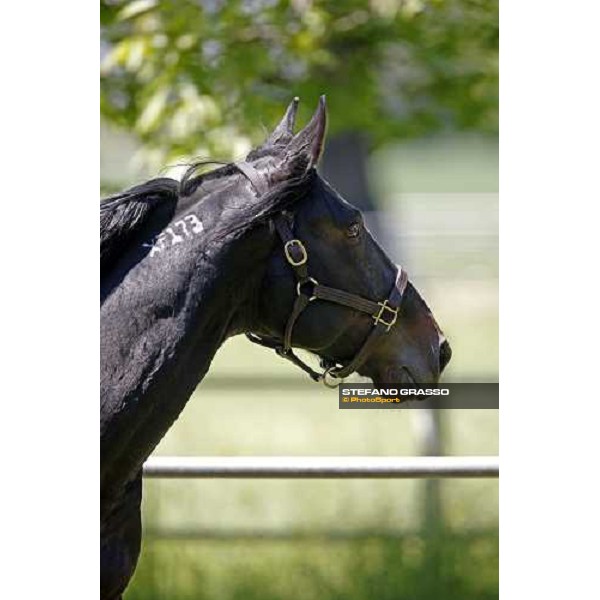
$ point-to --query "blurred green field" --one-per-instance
(381, 568)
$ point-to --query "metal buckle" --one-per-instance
(290, 258)
(304, 281)
(379, 317)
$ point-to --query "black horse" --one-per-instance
(264, 247)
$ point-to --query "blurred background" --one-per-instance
(412, 92)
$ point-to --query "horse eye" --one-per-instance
(354, 230)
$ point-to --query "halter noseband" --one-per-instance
(308, 289)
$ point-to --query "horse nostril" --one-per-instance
(445, 354)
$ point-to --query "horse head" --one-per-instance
(329, 287)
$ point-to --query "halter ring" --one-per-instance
(329, 373)
(301, 283)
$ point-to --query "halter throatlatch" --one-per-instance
(308, 289)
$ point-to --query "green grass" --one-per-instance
(410, 567)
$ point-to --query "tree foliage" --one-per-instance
(206, 77)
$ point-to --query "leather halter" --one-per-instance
(308, 289)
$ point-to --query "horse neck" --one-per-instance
(160, 333)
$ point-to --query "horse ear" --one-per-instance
(281, 136)
(306, 147)
(284, 132)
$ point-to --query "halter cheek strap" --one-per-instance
(259, 181)
(308, 289)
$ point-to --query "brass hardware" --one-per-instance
(290, 258)
(380, 318)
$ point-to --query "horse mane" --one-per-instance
(123, 214)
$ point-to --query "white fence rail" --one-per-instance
(322, 467)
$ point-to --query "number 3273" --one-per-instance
(177, 233)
